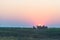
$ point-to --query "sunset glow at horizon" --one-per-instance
(29, 13)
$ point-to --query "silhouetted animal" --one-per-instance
(34, 27)
(42, 27)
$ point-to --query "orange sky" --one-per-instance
(45, 12)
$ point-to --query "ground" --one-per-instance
(29, 34)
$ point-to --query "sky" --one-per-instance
(27, 13)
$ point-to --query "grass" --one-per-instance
(29, 34)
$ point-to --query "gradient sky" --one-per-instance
(29, 13)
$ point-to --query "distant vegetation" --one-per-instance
(29, 34)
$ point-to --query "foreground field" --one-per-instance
(29, 34)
